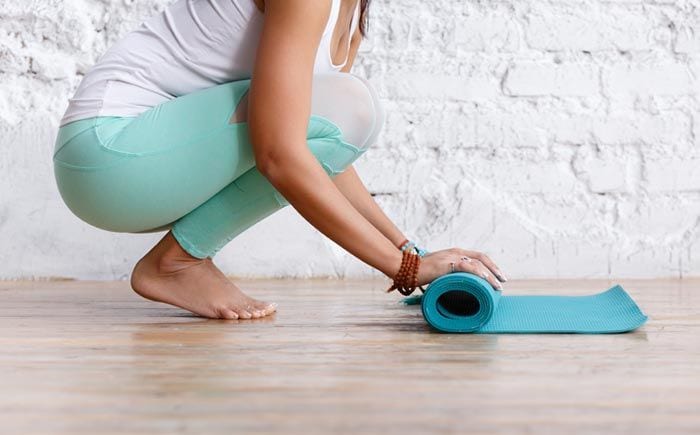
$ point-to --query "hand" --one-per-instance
(436, 264)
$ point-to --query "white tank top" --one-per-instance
(191, 45)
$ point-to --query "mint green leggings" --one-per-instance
(182, 165)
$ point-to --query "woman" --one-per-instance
(213, 115)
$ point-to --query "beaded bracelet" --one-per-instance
(407, 244)
(406, 279)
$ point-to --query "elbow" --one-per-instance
(271, 171)
(268, 154)
(273, 166)
(276, 156)
(267, 158)
(265, 165)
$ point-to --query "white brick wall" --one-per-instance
(562, 137)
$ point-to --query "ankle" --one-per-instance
(170, 247)
(169, 255)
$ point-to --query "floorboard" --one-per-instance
(338, 357)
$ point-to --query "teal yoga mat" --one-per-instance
(463, 302)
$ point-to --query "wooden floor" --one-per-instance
(338, 357)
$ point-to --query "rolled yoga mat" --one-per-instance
(464, 302)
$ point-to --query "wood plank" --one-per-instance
(339, 356)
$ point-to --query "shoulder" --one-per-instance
(309, 8)
(297, 19)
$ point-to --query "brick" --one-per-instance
(607, 172)
(531, 177)
(487, 31)
(551, 79)
(673, 174)
(653, 78)
(420, 85)
(573, 27)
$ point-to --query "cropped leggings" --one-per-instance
(186, 165)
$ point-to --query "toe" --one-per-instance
(253, 310)
(243, 314)
(260, 305)
(265, 308)
(256, 309)
(270, 308)
(227, 313)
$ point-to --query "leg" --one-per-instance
(147, 172)
(250, 198)
(356, 114)
(135, 174)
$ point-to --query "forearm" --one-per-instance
(352, 187)
(320, 202)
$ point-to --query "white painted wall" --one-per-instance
(561, 137)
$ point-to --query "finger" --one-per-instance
(452, 265)
(492, 266)
(486, 260)
(477, 268)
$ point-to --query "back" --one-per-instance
(189, 46)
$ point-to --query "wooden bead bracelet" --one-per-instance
(406, 279)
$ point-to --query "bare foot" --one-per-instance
(167, 273)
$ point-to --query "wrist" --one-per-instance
(406, 280)
(412, 246)
(393, 264)
(399, 244)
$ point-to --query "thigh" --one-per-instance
(136, 174)
(180, 122)
(141, 174)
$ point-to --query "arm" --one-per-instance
(350, 184)
(279, 111)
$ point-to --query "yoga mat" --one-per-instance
(463, 302)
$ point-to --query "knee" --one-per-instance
(373, 114)
(351, 103)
